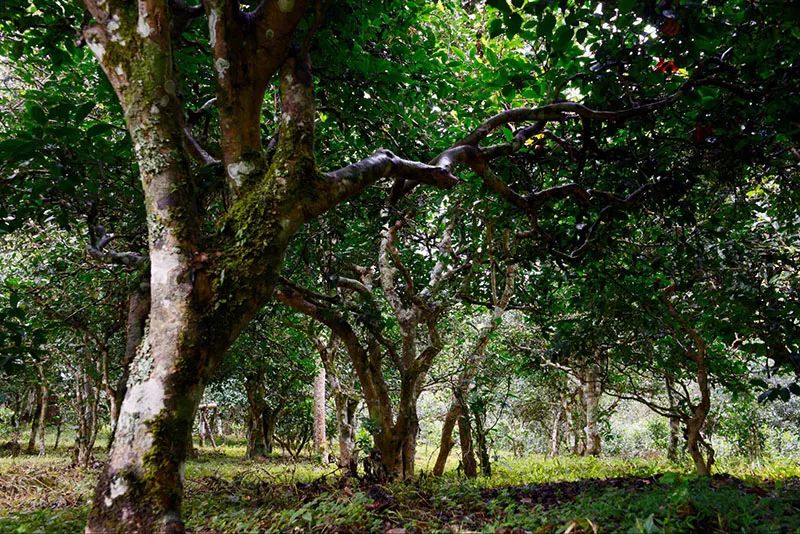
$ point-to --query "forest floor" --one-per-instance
(225, 493)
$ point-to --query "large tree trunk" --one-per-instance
(256, 443)
(591, 400)
(320, 439)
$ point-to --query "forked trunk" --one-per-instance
(397, 452)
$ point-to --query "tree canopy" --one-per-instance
(460, 198)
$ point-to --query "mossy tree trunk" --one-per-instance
(468, 462)
(209, 275)
(346, 429)
(481, 443)
(254, 387)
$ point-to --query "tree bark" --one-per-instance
(468, 462)
(86, 400)
(591, 400)
(256, 442)
(482, 445)
(202, 298)
(555, 432)
(674, 439)
(446, 443)
(695, 441)
(346, 429)
(44, 393)
(320, 439)
(35, 416)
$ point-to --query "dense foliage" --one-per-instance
(580, 237)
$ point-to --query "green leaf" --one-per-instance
(546, 25)
(513, 24)
(495, 28)
(38, 114)
(500, 5)
(99, 129)
(563, 38)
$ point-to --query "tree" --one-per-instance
(214, 258)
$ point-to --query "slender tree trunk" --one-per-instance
(674, 423)
(35, 416)
(591, 399)
(346, 429)
(44, 393)
(320, 439)
(58, 434)
(446, 443)
(16, 416)
(674, 438)
(695, 442)
(256, 443)
(86, 400)
(694, 425)
(270, 419)
(468, 462)
(555, 432)
(473, 363)
(482, 445)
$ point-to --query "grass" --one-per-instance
(226, 493)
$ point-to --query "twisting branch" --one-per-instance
(99, 240)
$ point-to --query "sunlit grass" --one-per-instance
(226, 492)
